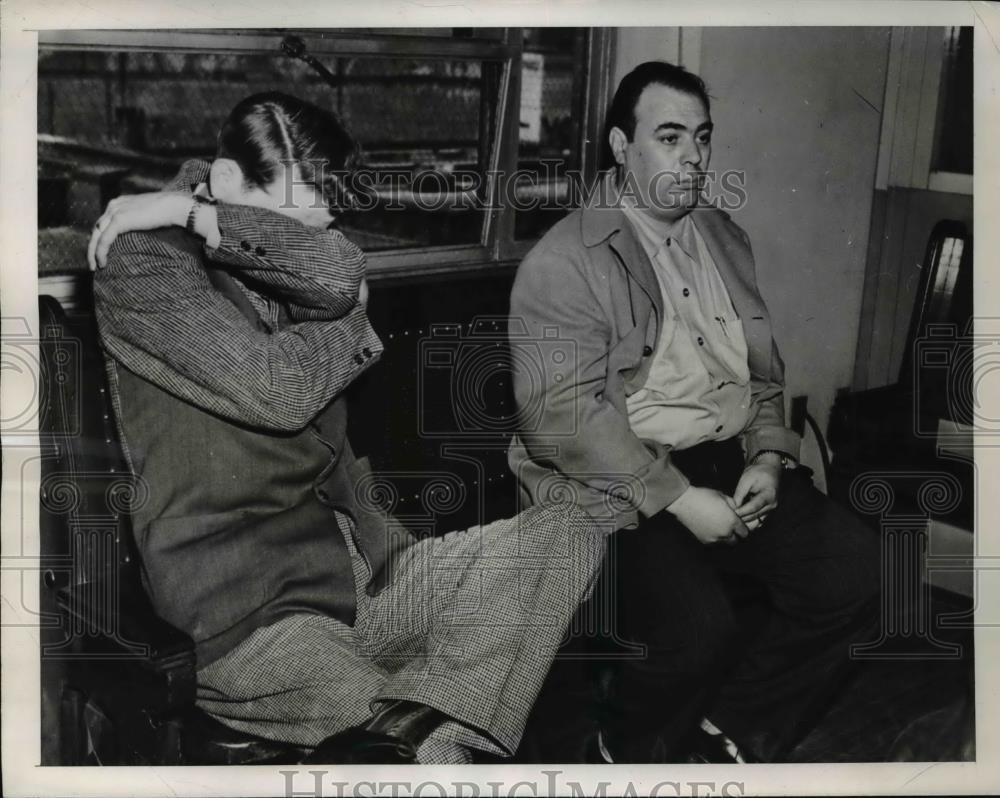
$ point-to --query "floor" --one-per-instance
(909, 699)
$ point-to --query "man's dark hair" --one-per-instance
(266, 130)
(621, 113)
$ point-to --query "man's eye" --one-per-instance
(705, 140)
(668, 139)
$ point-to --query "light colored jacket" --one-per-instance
(584, 319)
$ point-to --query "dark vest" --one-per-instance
(237, 526)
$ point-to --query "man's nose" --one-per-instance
(692, 155)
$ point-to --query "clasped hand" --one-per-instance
(148, 211)
(134, 212)
(714, 517)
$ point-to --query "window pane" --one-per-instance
(953, 150)
(427, 128)
(492, 34)
(553, 81)
(124, 121)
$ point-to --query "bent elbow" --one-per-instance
(271, 408)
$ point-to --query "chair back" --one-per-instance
(86, 490)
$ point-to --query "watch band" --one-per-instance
(786, 461)
(197, 201)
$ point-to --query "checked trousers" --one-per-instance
(469, 625)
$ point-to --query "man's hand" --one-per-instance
(135, 212)
(757, 491)
(710, 515)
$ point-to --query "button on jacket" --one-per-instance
(589, 287)
(228, 406)
(698, 388)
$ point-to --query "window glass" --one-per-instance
(953, 145)
(493, 34)
(553, 80)
(119, 122)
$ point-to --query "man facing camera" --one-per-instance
(678, 444)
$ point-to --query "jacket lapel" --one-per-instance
(603, 220)
(637, 262)
(733, 260)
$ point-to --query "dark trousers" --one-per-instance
(661, 588)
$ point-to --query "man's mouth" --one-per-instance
(692, 182)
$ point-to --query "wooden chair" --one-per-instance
(118, 682)
(894, 429)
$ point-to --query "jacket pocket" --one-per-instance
(734, 353)
(635, 356)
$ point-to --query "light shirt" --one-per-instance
(698, 388)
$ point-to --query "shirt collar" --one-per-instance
(655, 233)
(603, 216)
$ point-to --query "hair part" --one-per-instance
(621, 112)
(267, 131)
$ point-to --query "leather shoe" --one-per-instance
(711, 746)
(360, 746)
(595, 751)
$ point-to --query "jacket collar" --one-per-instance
(191, 173)
(602, 214)
(602, 219)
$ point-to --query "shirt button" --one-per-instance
(686, 292)
(668, 242)
(261, 251)
(245, 246)
(701, 341)
(647, 350)
(718, 428)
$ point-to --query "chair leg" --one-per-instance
(169, 742)
(73, 748)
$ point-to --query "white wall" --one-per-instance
(633, 46)
(789, 105)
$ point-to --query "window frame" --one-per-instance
(498, 247)
(910, 119)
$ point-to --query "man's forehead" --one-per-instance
(659, 104)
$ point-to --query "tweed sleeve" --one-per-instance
(160, 317)
(316, 273)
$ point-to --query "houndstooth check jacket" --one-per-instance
(225, 367)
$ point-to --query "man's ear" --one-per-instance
(618, 141)
(226, 179)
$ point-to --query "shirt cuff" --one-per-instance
(661, 482)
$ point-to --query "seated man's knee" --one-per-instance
(858, 582)
(560, 531)
(840, 557)
(852, 589)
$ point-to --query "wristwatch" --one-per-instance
(197, 201)
(786, 461)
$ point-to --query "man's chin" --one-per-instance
(675, 206)
(677, 201)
